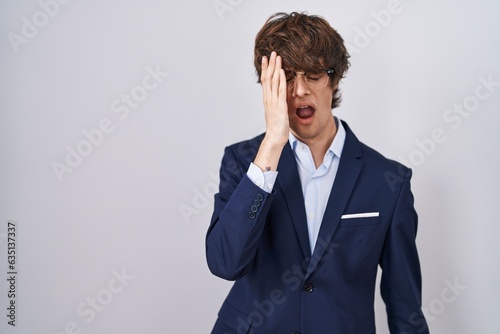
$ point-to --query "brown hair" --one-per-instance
(306, 43)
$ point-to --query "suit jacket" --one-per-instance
(260, 241)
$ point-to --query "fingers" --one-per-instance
(276, 74)
(270, 75)
(274, 89)
(282, 87)
(264, 66)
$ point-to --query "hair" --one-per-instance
(304, 42)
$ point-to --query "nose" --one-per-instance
(300, 86)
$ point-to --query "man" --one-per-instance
(305, 212)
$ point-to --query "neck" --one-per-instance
(320, 144)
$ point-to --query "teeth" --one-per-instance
(304, 107)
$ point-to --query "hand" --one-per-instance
(274, 93)
(276, 110)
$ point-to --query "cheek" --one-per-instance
(326, 99)
(289, 102)
(325, 103)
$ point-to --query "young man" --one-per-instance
(305, 212)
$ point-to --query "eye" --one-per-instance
(313, 77)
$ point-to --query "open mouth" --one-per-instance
(305, 112)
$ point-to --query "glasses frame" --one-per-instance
(329, 72)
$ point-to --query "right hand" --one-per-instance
(274, 91)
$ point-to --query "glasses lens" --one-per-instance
(316, 81)
(313, 81)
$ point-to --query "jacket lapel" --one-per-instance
(289, 185)
(349, 168)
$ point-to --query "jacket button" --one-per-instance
(251, 215)
(254, 208)
(308, 287)
(260, 197)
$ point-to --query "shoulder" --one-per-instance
(371, 157)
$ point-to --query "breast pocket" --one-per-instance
(362, 221)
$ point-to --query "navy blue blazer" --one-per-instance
(260, 241)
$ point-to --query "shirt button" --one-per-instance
(308, 287)
(311, 216)
(269, 186)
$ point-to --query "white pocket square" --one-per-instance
(360, 215)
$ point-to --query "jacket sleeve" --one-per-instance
(238, 220)
(401, 278)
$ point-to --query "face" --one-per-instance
(309, 109)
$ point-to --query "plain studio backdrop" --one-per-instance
(115, 114)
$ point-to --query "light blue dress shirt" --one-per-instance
(316, 182)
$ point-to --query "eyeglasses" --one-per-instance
(314, 81)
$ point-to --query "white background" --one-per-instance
(120, 208)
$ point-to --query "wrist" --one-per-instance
(274, 142)
(269, 154)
